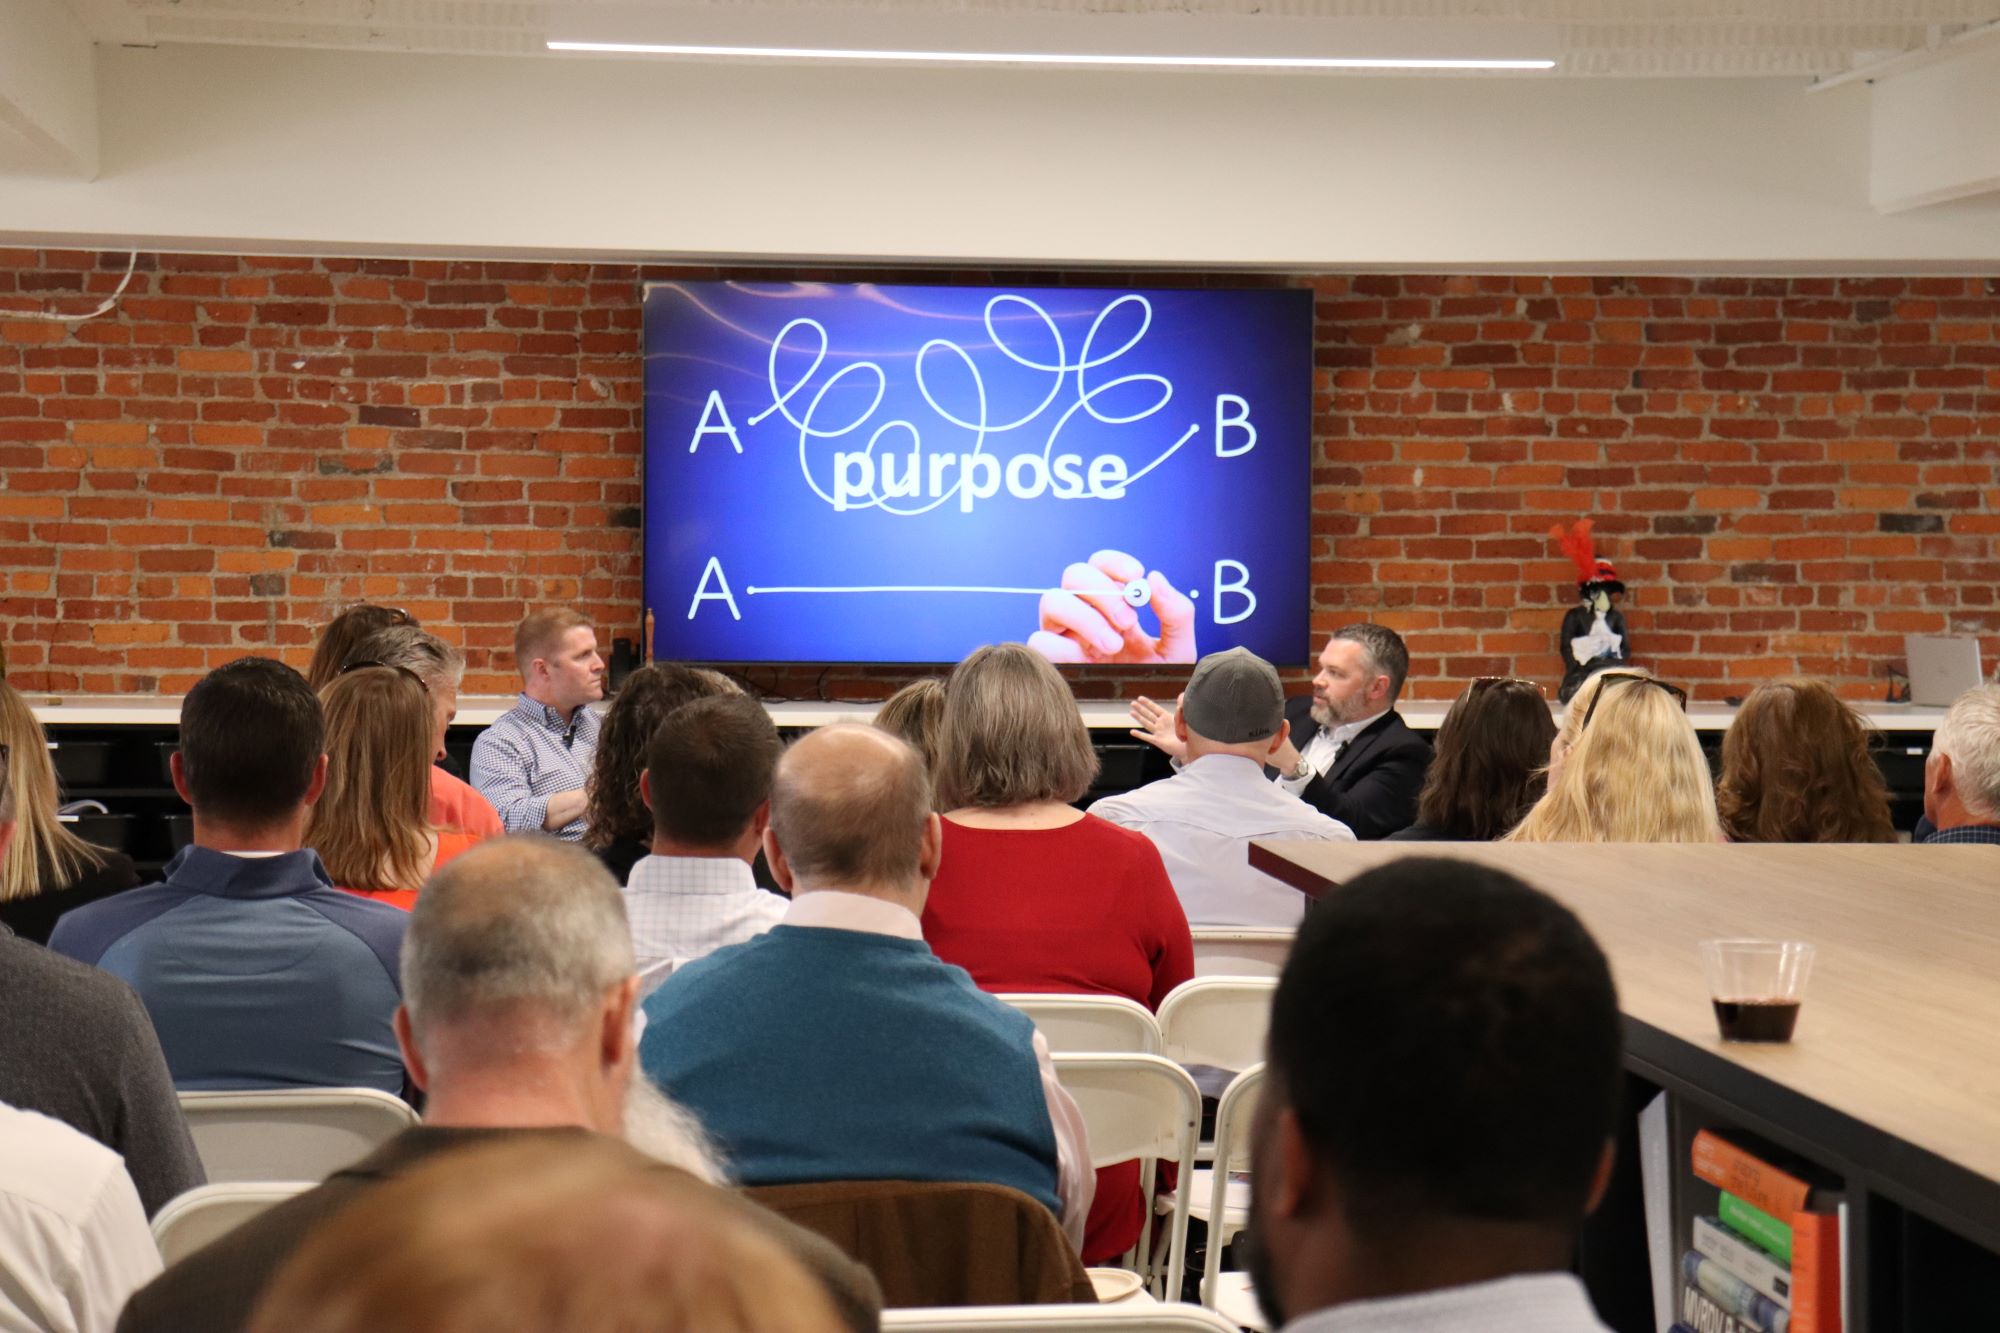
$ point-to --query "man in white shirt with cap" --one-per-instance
(1231, 719)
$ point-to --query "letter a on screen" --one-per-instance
(713, 570)
(711, 410)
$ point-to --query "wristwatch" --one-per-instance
(1301, 773)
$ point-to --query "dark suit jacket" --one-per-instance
(216, 1289)
(1372, 788)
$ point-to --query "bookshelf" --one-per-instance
(1893, 1081)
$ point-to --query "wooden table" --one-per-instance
(1893, 1079)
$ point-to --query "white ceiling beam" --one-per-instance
(48, 86)
(1932, 129)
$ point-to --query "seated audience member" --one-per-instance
(73, 1239)
(620, 825)
(844, 998)
(708, 783)
(1796, 768)
(1962, 774)
(538, 1236)
(1393, 1189)
(257, 972)
(372, 824)
(518, 1026)
(534, 762)
(455, 804)
(1349, 754)
(1034, 895)
(1635, 773)
(78, 1047)
(1489, 764)
(916, 713)
(48, 870)
(344, 633)
(1231, 721)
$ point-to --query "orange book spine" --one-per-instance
(1815, 1273)
(1750, 1179)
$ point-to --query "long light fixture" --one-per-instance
(747, 31)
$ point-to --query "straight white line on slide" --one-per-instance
(910, 587)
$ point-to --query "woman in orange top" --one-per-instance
(372, 826)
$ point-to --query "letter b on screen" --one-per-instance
(1232, 577)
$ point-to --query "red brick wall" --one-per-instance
(1789, 473)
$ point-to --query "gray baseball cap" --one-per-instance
(1234, 697)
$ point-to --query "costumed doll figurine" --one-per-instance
(1593, 631)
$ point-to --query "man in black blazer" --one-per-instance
(1349, 754)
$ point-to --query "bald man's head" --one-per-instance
(850, 808)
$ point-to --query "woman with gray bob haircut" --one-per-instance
(1034, 894)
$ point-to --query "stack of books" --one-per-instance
(1768, 1259)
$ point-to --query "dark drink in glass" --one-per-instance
(1756, 1020)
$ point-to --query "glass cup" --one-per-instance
(1757, 986)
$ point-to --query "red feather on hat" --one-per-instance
(1577, 545)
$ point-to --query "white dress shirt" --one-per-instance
(1323, 749)
(1076, 1180)
(1203, 818)
(686, 907)
(73, 1238)
(1534, 1303)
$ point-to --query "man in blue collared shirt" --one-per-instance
(256, 971)
(533, 762)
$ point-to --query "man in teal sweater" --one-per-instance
(837, 1046)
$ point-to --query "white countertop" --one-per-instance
(1105, 715)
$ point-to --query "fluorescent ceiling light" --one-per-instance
(1047, 57)
(832, 32)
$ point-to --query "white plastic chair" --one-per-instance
(1217, 1021)
(1144, 1107)
(1083, 1023)
(1162, 1318)
(290, 1133)
(208, 1212)
(1228, 1294)
(1240, 951)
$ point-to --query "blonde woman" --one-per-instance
(1629, 769)
(916, 713)
(47, 870)
(372, 826)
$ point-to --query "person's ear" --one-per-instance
(1278, 739)
(6, 836)
(317, 787)
(646, 787)
(1601, 1180)
(760, 818)
(614, 1045)
(1292, 1195)
(774, 856)
(932, 855)
(177, 770)
(406, 1042)
(1180, 725)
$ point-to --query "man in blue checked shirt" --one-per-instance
(533, 761)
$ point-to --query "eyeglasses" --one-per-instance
(1611, 678)
(384, 666)
(1481, 684)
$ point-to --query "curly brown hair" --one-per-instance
(1796, 767)
(614, 810)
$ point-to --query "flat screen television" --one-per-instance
(866, 473)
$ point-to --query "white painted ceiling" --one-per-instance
(1595, 38)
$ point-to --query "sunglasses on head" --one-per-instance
(1611, 678)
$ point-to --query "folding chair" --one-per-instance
(1229, 1294)
(1145, 1107)
(1217, 1021)
(1075, 1024)
(208, 1212)
(290, 1133)
(1240, 951)
(1164, 1318)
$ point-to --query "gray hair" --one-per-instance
(434, 661)
(849, 805)
(1970, 737)
(1387, 654)
(1012, 733)
(517, 922)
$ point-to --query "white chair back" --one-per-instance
(1217, 1021)
(1232, 1153)
(1074, 1024)
(1158, 1318)
(1240, 951)
(290, 1133)
(209, 1212)
(1146, 1107)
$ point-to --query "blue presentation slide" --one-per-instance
(868, 473)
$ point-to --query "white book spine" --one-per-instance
(1715, 1241)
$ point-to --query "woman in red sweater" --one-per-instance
(1035, 895)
